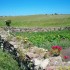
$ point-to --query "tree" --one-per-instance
(55, 14)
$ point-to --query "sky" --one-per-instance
(32, 7)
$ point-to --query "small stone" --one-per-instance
(37, 62)
(31, 55)
(44, 63)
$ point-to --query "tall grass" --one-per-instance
(7, 62)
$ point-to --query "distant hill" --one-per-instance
(37, 20)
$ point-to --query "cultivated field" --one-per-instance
(48, 39)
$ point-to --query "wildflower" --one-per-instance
(57, 47)
(25, 40)
(66, 57)
(56, 50)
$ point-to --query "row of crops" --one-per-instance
(48, 39)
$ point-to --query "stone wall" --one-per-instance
(37, 29)
(30, 57)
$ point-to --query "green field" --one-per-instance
(37, 20)
(48, 39)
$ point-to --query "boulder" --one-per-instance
(32, 55)
(44, 63)
(55, 61)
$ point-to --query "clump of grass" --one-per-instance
(7, 62)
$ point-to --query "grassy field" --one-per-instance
(37, 20)
(7, 62)
(48, 39)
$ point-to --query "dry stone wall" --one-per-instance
(36, 29)
(32, 57)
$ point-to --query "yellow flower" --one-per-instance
(25, 40)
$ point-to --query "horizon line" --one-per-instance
(36, 14)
